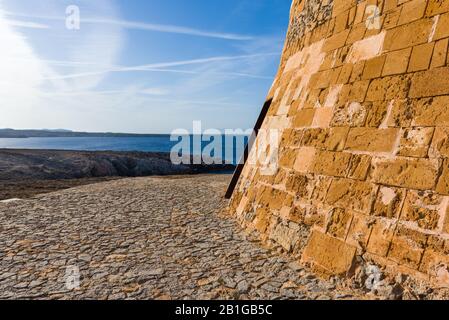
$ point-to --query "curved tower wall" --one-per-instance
(361, 106)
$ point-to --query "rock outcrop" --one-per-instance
(53, 164)
(361, 101)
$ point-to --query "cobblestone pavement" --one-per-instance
(142, 238)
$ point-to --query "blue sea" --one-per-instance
(232, 146)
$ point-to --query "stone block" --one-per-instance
(299, 184)
(360, 231)
(371, 139)
(359, 166)
(441, 30)
(432, 112)
(338, 223)
(340, 6)
(332, 139)
(421, 56)
(407, 247)
(420, 174)
(392, 19)
(350, 115)
(424, 209)
(323, 117)
(381, 237)
(443, 182)
(358, 91)
(377, 113)
(377, 89)
(288, 158)
(440, 143)
(345, 73)
(262, 220)
(357, 72)
(398, 87)
(412, 11)
(285, 236)
(333, 255)
(373, 67)
(401, 113)
(397, 62)
(440, 54)
(408, 35)
(322, 184)
(435, 7)
(351, 194)
(434, 82)
(415, 142)
(304, 118)
(436, 265)
(389, 202)
(336, 41)
(331, 163)
(305, 157)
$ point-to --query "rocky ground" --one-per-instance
(142, 238)
(145, 238)
(24, 165)
(25, 189)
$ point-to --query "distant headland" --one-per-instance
(60, 133)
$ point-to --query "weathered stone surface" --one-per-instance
(352, 194)
(443, 182)
(432, 112)
(397, 62)
(335, 256)
(424, 209)
(360, 230)
(338, 223)
(381, 236)
(331, 163)
(440, 143)
(415, 142)
(371, 139)
(359, 166)
(408, 35)
(389, 202)
(430, 83)
(372, 165)
(407, 247)
(415, 174)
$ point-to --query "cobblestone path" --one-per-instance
(142, 238)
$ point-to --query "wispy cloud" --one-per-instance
(137, 25)
(158, 66)
(154, 91)
(168, 29)
(26, 24)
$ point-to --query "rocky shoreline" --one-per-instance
(25, 173)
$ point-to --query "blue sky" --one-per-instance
(145, 66)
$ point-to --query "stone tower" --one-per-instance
(361, 102)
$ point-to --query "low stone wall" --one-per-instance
(361, 100)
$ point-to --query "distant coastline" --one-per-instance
(62, 133)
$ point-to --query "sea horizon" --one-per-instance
(232, 150)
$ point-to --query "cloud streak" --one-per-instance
(136, 25)
(26, 24)
(159, 67)
(168, 29)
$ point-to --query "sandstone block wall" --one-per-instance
(361, 100)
